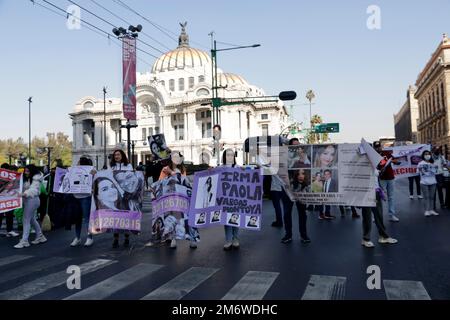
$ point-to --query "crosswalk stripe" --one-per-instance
(115, 283)
(30, 268)
(405, 290)
(53, 280)
(181, 285)
(12, 259)
(325, 288)
(253, 286)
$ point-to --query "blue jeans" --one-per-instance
(85, 204)
(388, 187)
(231, 233)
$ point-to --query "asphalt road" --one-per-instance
(333, 266)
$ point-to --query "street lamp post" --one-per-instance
(310, 96)
(104, 128)
(29, 129)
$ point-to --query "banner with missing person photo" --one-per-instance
(406, 158)
(227, 196)
(116, 201)
(331, 174)
(76, 180)
(170, 207)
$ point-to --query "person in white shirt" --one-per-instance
(441, 163)
(428, 169)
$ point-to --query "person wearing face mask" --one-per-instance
(441, 163)
(428, 169)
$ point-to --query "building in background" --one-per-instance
(174, 99)
(433, 85)
(405, 121)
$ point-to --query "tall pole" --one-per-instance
(29, 129)
(104, 128)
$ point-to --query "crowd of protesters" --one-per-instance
(65, 210)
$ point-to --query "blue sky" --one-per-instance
(360, 76)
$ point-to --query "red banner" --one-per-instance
(10, 190)
(129, 78)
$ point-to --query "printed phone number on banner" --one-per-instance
(117, 223)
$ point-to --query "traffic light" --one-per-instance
(326, 128)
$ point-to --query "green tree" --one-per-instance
(314, 138)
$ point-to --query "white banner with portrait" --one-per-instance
(330, 174)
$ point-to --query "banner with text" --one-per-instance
(227, 196)
(10, 190)
(117, 194)
(129, 77)
(331, 174)
(408, 157)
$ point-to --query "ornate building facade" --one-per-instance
(174, 99)
(405, 121)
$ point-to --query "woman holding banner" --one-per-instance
(176, 168)
(32, 182)
(84, 200)
(231, 233)
(120, 162)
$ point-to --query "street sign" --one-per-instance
(326, 128)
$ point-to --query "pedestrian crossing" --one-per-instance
(16, 271)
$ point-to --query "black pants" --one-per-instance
(301, 208)
(116, 236)
(276, 200)
(367, 221)
(342, 209)
(439, 187)
(9, 220)
(411, 181)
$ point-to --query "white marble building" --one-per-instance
(173, 99)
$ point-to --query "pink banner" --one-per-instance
(129, 78)
(10, 190)
(103, 220)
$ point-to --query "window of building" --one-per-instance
(144, 134)
(202, 92)
(156, 130)
(172, 85)
(206, 130)
(150, 131)
(264, 116)
(163, 83)
(88, 105)
(265, 129)
(442, 96)
(179, 131)
(181, 84)
(191, 82)
(201, 78)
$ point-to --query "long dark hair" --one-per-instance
(305, 183)
(33, 171)
(98, 203)
(431, 156)
(84, 161)
(224, 156)
(124, 158)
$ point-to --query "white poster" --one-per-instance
(406, 159)
(77, 179)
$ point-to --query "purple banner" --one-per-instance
(173, 202)
(227, 196)
(103, 220)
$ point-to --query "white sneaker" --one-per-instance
(22, 244)
(89, 242)
(227, 246)
(394, 219)
(367, 244)
(387, 240)
(427, 213)
(434, 213)
(76, 242)
(40, 239)
(411, 197)
(149, 244)
(12, 234)
(420, 197)
(173, 243)
(235, 243)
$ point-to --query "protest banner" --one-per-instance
(407, 158)
(158, 146)
(227, 196)
(331, 174)
(170, 206)
(10, 190)
(117, 195)
(75, 180)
